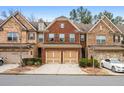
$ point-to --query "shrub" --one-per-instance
(85, 62)
(32, 61)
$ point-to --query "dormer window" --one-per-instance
(62, 25)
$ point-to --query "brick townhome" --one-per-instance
(61, 41)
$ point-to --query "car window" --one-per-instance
(107, 60)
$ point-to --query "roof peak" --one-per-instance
(62, 18)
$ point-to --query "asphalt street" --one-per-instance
(60, 80)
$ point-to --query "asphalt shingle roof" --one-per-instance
(83, 27)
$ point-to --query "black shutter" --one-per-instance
(113, 38)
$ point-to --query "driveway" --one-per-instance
(57, 69)
(5, 67)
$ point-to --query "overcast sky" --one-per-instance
(50, 12)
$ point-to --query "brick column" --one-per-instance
(43, 54)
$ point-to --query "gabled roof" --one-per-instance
(113, 24)
(102, 19)
(62, 18)
(121, 27)
(25, 20)
(12, 16)
(84, 27)
(16, 19)
(79, 26)
(1, 21)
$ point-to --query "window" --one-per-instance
(61, 25)
(40, 37)
(12, 36)
(51, 37)
(31, 36)
(62, 37)
(31, 53)
(82, 38)
(100, 39)
(72, 38)
(116, 38)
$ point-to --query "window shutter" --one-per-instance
(118, 38)
(113, 38)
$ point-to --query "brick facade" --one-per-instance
(104, 27)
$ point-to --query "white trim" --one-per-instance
(26, 20)
(74, 25)
(104, 21)
(56, 20)
(107, 25)
(101, 20)
(95, 25)
(113, 24)
(5, 21)
(50, 25)
(15, 20)
(19, 22)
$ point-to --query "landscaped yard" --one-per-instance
(86, 65)
(20, 70)
(94, 71)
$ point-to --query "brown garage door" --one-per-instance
(70, 56)
(53, 56)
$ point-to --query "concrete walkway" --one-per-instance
(5, 67)
(57, 69)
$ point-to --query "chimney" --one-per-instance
(41, 25)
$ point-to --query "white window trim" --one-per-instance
(99, 38)
(71, 37)
(12, 36)
(42, 37)
(83, 38)
(62, 25)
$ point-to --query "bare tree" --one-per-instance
(6, 14)
(32, 18)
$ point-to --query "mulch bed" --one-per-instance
(20, 69)
(96, 71)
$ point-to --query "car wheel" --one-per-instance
(1, 62)
(113, 69)
(102, 65)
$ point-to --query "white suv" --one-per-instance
(113, 64)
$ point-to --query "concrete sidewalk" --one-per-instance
(57, 69)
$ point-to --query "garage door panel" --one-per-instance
(73, 55)
(14, 57)
(11, 57)
(53, 56)
(70, 56)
